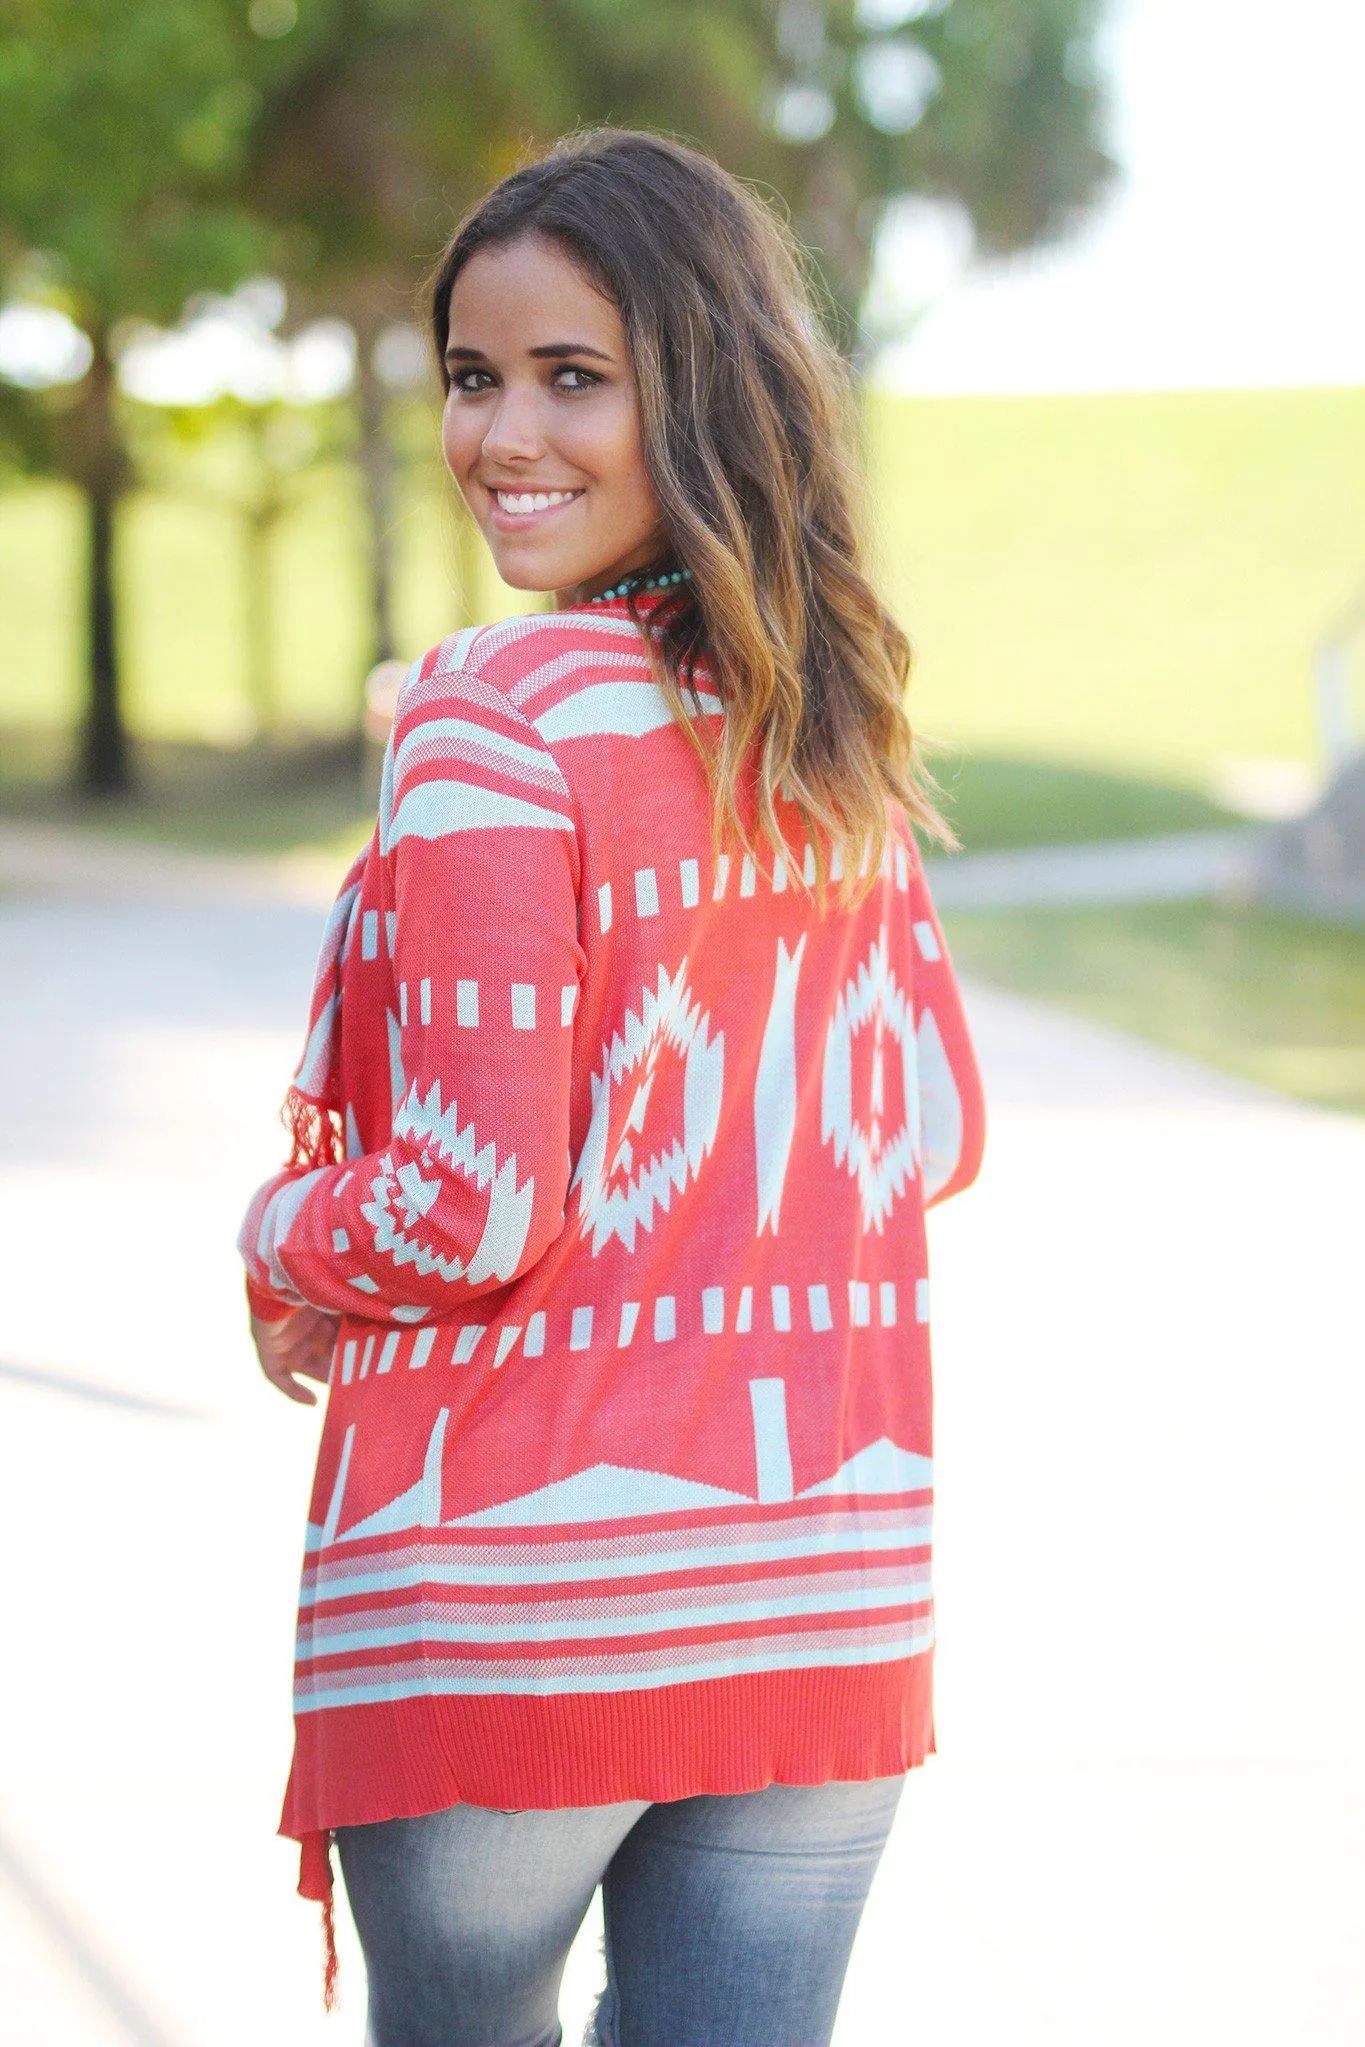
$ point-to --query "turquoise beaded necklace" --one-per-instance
(629, 583)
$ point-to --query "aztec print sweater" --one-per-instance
(624, 1488)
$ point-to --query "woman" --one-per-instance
(634, 1060)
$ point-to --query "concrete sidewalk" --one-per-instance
(1146, 1819)
(1170, 868)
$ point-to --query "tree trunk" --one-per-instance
(104, 762)
(377, 473)
(376, 478)
(258, 528)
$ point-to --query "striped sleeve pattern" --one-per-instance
(469, 1190)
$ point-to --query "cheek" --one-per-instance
(459, 444)
(619, 457)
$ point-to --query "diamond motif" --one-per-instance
(881, 1161)
(664, 1055)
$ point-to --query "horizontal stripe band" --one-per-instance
(482, 1603)
(548, 1541)
(433, 1567)
(336, 1639)
(436, 1680)
(448, 737)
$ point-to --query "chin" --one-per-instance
(520, 572)
(528, 579)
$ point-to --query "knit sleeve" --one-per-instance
(313, 1104)
(952, 1103)
(478, 832)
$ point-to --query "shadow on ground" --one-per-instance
(309, 790)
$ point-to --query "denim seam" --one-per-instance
(606, 2019)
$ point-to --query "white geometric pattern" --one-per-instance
(668, 1022)
(629, 708)
(880, 1164)
(609, 1492)
(940, 1107)
(650, 890)
(775, 1088)
(712, 1312)
(402, 1197)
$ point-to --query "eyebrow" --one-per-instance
(550, 348)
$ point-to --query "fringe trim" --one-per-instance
(330, 1963)
(315, 1882)
(315, 1130)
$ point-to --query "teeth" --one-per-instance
(521, 502)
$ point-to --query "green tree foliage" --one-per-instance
(384, 119)
(124, 125)
(156, 148)
(992, 104)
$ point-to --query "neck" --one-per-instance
(641, 582)
(645, 564)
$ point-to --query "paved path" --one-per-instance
(1146, 1819)
(1165, 869)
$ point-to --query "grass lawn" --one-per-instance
(1278, 999)
(994, 802)
(1134, 581)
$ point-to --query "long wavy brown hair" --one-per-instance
(748, 425)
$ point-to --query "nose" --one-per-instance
(514, 433)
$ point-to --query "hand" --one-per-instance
(300, 1346)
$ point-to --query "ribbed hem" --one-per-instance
(357, 1764)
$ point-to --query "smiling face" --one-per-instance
(541, 429)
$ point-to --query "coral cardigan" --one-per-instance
(625, 1485)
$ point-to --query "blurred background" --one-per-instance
(1096, 263)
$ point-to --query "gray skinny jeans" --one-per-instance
(729, 1920)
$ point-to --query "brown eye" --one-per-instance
(587, 377)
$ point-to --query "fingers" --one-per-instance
(284, 1383)
(300, 1346)
(284, 1369)
(311, 1341)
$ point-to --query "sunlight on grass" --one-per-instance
(1275, 998)
(994, 803)
(1135, 580)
